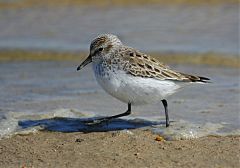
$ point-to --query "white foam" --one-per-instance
(8, 125)
(180, 130)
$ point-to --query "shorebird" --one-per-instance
(133, 77)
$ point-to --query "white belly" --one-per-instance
(135, 90)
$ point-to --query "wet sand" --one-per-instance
(210, 58)
(137, 148)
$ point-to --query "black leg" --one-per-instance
(166, 111)
(128, 112)
(105, 119)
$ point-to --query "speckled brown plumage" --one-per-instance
(140, 64)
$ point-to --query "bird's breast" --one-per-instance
(128, 88)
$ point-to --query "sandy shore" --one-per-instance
(137, 148)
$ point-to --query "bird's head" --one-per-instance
(102, 46)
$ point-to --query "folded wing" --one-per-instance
(140, 64)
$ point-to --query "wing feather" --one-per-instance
(140, 64)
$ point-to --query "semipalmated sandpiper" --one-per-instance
(132, 76)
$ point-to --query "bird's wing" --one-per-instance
(140, 64)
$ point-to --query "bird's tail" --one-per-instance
(194, 78)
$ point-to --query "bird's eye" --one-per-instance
(100, 49)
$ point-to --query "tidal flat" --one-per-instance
(38, 85)
(44, 101)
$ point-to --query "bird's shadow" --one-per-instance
(62, 124)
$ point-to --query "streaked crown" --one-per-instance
(104, 42)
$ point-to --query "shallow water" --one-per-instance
(33, 94)
(160, 28)
(54, 96)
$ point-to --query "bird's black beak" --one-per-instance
(85, 62)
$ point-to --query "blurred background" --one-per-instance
(42, 42)
(69, 25)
